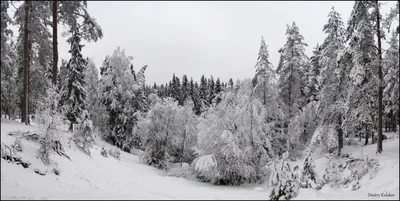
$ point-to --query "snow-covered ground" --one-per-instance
(97, 177)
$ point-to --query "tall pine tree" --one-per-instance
(73, 96)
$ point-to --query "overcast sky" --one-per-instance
(211, 38)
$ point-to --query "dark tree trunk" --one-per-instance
(25, 96)
(340, 134)
(55, 44)
(71, 127)
(372, 138)
(386, 123)
(366, 135)
(379, 148)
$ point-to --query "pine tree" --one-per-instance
(391, 67)
(211, 90)
(230, 83)
(196, 98)
(290, 70)
(362, 95)
(8, 62)
(393, 15)
(73, 92)
(264, 70)
(185, 88)
(70, 13)
(331, 84)
(292, 63)
(218, 87)
(92, 90)
(203, 95)
(311, 88)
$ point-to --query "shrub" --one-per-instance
(17, 146)
(284, 180)
(103, 152)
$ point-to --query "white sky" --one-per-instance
(211, 38)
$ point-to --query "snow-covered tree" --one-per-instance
(50, 119)
(391, 67)
(157, 131)
(9, 91)
(392, 16)
(284, 179)
(122, 95)
(71, 13)
(312, 71)
(188, 131)
(333, 77)
(361, 100)
(234, 134)
(211, 90)
(309, 177)
(185, 88)
(92, 90)
(84, 136)
(73, 92)
(290, 70)
(265, 74)
(203, 93)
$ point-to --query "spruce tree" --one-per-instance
(73, 96)
(264, 70)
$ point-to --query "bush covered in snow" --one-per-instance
(115, 153)
(349, 172)
(309, 177)
(205, 168)
(17, 145)
(50, 119)
(284, 180)
(103, 152)
(167, 133)
(84, 137)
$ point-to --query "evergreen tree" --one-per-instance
(203, 95)
(291, 69)
(391, 67)
(311, 87)
(73, 96)
(331, 78)
(211, 90)
(264, 71)
(196, 99)
(218, 86)
(361, 99)
(91, 88)
(185, 88)
(122, 95)
(293, 61)
(230, 83)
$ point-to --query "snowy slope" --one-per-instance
(97, 177)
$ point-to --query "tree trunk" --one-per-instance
(380, 92)
(386, 123)
(366, 134)
(25, 97)
(55, 43)
(372, 138)
(71, 127)
(340, 134)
